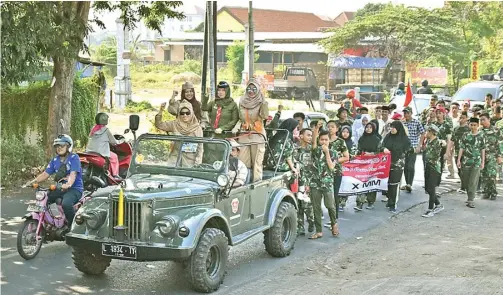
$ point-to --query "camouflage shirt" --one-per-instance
(281, 160)
(323, 176)
(457, 135)
(472, 146)
(338, 147)
(432, 154)
(303, 157)
(493, 138)
(445, 129)
(347, 122)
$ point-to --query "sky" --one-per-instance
(320, 7)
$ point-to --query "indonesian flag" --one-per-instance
(408, 94)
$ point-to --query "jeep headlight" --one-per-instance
(222, 180)
(166, 226)
(95, 219)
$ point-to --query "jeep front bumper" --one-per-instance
(144, 251)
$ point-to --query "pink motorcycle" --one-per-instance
(41, 225)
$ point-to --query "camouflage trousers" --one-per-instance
(366, 198)
(305, 209)
(488, 177)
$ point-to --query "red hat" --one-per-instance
(442, 109)
(350, 93)
(396, 116)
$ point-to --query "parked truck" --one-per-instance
(296, 80)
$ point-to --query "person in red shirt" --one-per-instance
(350, 103)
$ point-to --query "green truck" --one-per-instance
(168, 210)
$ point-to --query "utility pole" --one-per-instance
(251, 48)
(215, 40)
(123, 78)
(209, 11)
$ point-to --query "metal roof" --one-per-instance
(231, 36)
(290, 47)
(357, 62)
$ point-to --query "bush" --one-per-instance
(137, 107)
(20, 161)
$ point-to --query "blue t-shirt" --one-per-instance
(73, 164)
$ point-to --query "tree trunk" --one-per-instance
(60, 101)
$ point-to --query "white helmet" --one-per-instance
(64, 139)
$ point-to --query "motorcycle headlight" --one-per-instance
(40, 196)
(95, 219)
(222, 180)
(166, 226)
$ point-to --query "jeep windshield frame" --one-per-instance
(205, 171)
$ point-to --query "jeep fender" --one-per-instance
(278, 196)
(198, 219)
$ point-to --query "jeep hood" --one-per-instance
(146, 186)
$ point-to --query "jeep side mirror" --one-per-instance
(134, 122)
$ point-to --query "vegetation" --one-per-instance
(235, 54)
(451, 36)
(137, 107)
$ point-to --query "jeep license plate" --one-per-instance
(35, 208)
(122, 251)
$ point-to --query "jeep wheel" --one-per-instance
(208, 262)
(280, 238)
(90, 263)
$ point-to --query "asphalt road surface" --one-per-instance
(52, 271)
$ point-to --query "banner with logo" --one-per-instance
(365, 173)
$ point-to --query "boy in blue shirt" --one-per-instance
(67, 169)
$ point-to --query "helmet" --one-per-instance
(223, 84)
(424, 83)
(350, 93)
(101, 119)
(63, 139)
(401, 85)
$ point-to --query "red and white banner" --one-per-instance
(365, 173)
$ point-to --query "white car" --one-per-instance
(310, 116)
(475, 92)
(419, 103)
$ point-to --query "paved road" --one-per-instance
(52, 271)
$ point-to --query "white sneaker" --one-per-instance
(428, 214)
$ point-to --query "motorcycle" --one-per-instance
(41, 224)
(96, 169)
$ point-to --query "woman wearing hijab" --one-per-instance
(346, 135)
(282, 138)
(369, 143)
(398, 144)
(188, 95)
(253, 110)
(223, 111)
(186, 124)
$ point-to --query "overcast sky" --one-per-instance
(329, 8)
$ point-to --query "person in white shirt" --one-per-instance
(238, 173)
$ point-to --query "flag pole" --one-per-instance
(415, 105)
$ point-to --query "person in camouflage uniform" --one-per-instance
(444, 134)
(471, 159)
(494, 155)
(432, 172)
(302, 156)
(322, 182)
(282, 148)
(453, 147)
(344, 119)
(426, 112)
(496, 116)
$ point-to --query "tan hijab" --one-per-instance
(192, 126)
(251, 103)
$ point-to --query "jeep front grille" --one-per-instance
(133, 218)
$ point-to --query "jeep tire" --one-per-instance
(208, 262)
(280, 239)
(90, 263)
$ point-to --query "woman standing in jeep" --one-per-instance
(253, 110)
(188, 95)
(186, 124)
(223, 111)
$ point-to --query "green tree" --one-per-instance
(235, 54)
(36, 30)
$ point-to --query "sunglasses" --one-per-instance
(253, 89)
(185, 113)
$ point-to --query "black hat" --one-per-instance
(341, 109)
(385, 108)
(474, 120)
(363, 109)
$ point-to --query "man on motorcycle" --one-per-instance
(67, 169)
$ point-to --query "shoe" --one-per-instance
(341, 209)
(370, 206)
(493, 198)
(322, 217)
(485, 197)
(385, 200)
(470, 204)
(403, 188)
(310, 228)
(428, 214)
(301, 233)
(408, 188)
(438, 208)
(450, 177)
(357, 209)
(393, 210)
(461, 191)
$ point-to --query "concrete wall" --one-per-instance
(227, 23)
(159, 53)
(177, 53)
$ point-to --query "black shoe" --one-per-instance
(310, 228)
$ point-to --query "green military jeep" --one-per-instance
(169, 209)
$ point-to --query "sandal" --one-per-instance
(316, 236)
(335, 230)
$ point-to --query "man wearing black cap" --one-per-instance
(471, 159)
(342, 114)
